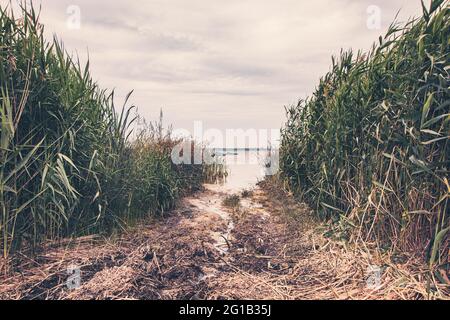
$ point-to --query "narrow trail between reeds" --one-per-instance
(268, 247)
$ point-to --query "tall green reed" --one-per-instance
(68, 165)
(370, 150)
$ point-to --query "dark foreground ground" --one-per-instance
(267, 247)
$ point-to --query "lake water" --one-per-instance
(245, 168)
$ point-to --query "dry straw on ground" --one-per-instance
(274, 254)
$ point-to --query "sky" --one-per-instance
(230, 64)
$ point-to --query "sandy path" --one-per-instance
(269, 247)
(171, 258)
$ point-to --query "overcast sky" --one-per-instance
(232, 64)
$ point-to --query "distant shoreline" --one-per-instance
(240, 149)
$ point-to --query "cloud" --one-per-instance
(230, 63)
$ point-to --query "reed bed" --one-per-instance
(216, 171)
(369, 149)
(68, 164)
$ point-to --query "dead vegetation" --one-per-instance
(285, 255)
(232, 201)
(276, 250)
(159, 260)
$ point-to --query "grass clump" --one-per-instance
(232, 201)
(216, 171)
(246, 193)
(370, 148)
